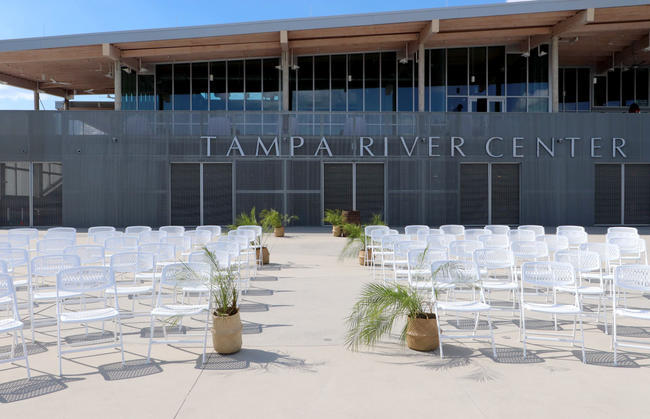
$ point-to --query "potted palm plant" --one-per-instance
(378, 308)
(356, 244)
(277, 221)
(247, 219)
(226, 322)
(335, 218)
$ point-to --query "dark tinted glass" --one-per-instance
(516, 78)
(338, 186)
(371, 71)
(438, 75)
(569, 91)
(200, 86)
(505, 194)
(370, 190)
(496, 71)
(218, 86)
(271, 86)
(614, 88)
(14, 193)
(339, 80)
(236, 85)
(642, 86)
(185, 194)
(637, 193)
(477, 71)
(146, 99)
(293, 86)
(355, 82)
(322, 83)
(48, 194)
(164, 86)
(405, 91)
(217, 194)
(538, 71)
(306, 83)
(388, 79)
(474, 194)
(457, 71)
(129, 90)
(600, 91)
(253, 85)
(584, 87)
(628, 87)
(457, 104)
(182, 81)
(608, 194)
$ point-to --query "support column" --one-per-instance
(555, 74)
(66, 103)
(285, 80)
(37, 99)
(421, 77)
(117, 79)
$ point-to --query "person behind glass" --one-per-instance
(634, 108)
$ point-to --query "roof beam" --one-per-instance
(352, 40)
(430, 29)
(574, 23)
(52, 54)
(30, 85)
(284, 41)
(162, 52)
(629, 55)
(113, 53)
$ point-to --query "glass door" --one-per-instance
(485, 104)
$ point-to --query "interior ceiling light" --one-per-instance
(540, 51)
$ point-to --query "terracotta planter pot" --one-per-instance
(362, 257)
(278, 231)
(226, 334)
(351, 217)
(422, 334)
(337, 231)
(265, 256)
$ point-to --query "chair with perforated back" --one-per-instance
(373, 244)
(173, 279)
(521, 235)
(629, 279)
(89, 254)
(496, 267)
(440, 240)
(173, 230)
(459, 275)
(102, 232)
(586, 262)
(135, 276)
(17, 261)
(31, 233)
(151, 236)
(199, 238)
(575, 237)
(19, 241)
(500, 241)
(475, 233)
(384, 256)
(537, 229)
(215, 231)
(61, 233)
(423, 234)
(182, 245)
(165, 255)
(52, 246)
(12, 323)
(464, 249)
(554, 243)
(400, 261)
(89, 281)
(419, 267)
(550, 275)
(43, 270)
(136, 230)
(453, 229)
(120, 244)
(100, 237)
(632, 248)
(254, 234)
(498, 229)
(623, 230)
(413, 230)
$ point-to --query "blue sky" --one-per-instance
(22, 19)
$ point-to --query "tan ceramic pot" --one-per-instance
(278, 231)
(422, 334)
(337, 231)
(226, 334)
(362, 257)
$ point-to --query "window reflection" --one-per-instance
(200, 86)
(253, 85)
(236, 85)
(182, 87)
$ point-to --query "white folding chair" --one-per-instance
(521, 235)
(19, 241)
(89, 281)
(97, 229)
(120, 244)
(89, 254)
(623, 230)
(440, 240)
(386, 252)
(634, 279)
(537, 229)
(373, 244)
(215, 231)
(31, 233)
(413, 230)
(135, 276)
(453, 229)
(151, 237)
(501, 230)
(136, 230)
(475, 233)
(99, 234)
(40, 289)
(632, 248)
(256, 242)
(419, 267)
(12, 323)
(173, 279)
(496, 269)
(500, 241)
(460, 274)
(554, 243)
(182, 245)
(400, 260)
(65, 233)
(17, 261)
(173, 230)
(53, 246)
(423, 234)
(550, 275)
(199, 238)
(464, 249)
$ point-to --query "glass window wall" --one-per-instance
(218, 91)
(235, 85)
(146, 90)
(271, 85)
(182, 81)
(371, 88)
(200, 86)
(164, 86)
(253, 85)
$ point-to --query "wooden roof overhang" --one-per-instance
(598, 36)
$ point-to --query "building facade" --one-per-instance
(501, 114)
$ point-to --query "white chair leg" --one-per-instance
(22, 337)
(58, 346)
(150, 340)
(494, 348)
(582, 333)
